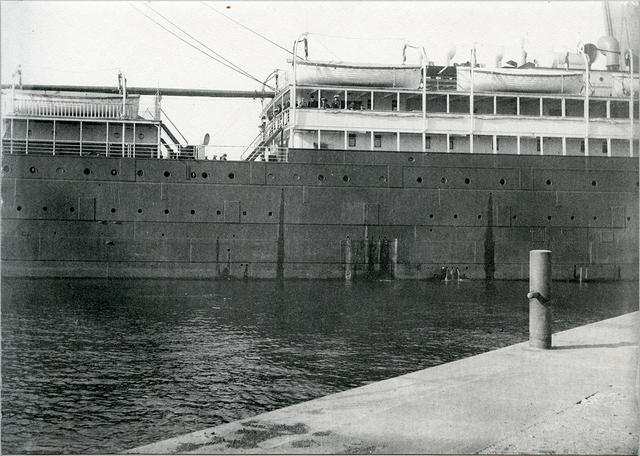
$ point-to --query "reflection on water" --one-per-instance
(102, 366)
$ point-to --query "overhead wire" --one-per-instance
(238, 68)
(197, 48)
(246, 28)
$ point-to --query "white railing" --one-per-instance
(256, 143)
(130, 150)
(77, 148)
(41, 106)
(279, 121)
(257, 153)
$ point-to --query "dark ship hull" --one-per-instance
(322, 215)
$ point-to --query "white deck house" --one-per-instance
(442, 116)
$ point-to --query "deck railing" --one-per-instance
(130, 150)
(41, 106)
(279, 121)
(442, 84)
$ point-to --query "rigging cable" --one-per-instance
(197, 48)
(174, 125)
(238, 68)
(247, 28)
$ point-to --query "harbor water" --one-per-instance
(100, 366)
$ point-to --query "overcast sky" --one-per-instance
(88, 42)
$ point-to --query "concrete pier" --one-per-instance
(578, 398)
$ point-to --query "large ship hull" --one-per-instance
(319, 215)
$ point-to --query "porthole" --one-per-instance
(382, 178)
(412, 160)
(419, 180)
(72, 209)
(113, 210)
(271, 176)
(86, 171)
(19, 208)
(548, 181)
(218, 212)
(628, 219)
(502, 181)
(270, 213)
(192, 212)
(595, 218)
(59, 170)
(514, 217)
(166, 211)
(573, 217)
(114, 172)
(5, 168)
(467, 180)
(594, 183)
(167, 174)
(32, 169)
(140, 172)
(455, 216)
(345, 178)
(205, 175)
(139, 211)
(430, 215)
(548, 217)
(141, 136)
(479, 216)
(192, 174)
(443, 180)
(116, 134)
(320, 177)
(244, 212)
(232, 176)
(296, 177)
(44, 208)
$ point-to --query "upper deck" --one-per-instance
(535, 103)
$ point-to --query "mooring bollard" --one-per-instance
(539, 298)
(348, 271)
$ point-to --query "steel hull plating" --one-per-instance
(110, 217)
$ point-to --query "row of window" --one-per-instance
(321, 178)
(113, 211)
(377, 142)
(270, 213)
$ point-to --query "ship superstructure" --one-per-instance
(567, 111)
(89, 121)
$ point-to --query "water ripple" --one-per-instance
(100, 366)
